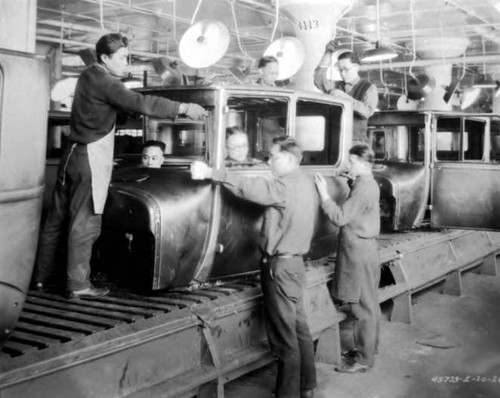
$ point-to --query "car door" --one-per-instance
(466, 173)
(321, 128)
(261, 116)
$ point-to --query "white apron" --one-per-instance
(101, 165)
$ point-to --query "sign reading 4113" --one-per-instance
(309, 24)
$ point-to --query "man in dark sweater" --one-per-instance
(87, 161)
(291, 202)
(363, 94)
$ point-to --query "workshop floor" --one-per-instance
(452, 349)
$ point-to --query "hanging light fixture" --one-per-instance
(469, 97)
(378, 53)
(484, 81)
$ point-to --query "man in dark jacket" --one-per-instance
(363, 94)
(87, 161)
(291, 202)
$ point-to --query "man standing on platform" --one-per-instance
(363, 94)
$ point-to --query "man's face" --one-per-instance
(281, 163)
(269, 73)
(356, 165)
(348, 70)
(117, 62)
(237, 147)
(152, 156)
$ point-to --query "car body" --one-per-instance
(161, 229)
(437, 168)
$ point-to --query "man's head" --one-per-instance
(236, 144)
(112, 53)
(286, 156)
(361, 159)
(152, 154)
(348, 66)
(268, 70)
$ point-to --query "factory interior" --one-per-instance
(185, 314)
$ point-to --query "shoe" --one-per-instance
(89, 292)
(352, 367)
(349, 354)
(307, 393)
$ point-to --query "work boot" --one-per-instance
(89, 292)
(349, 365)
(307, 393)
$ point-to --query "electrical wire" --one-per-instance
(276, 19)
(414, 40)
(378, 21)
(101, 14)
(463, 67)
(405, 86)
(174, 22)
(386, 89)
(196, 11)
(238, 33)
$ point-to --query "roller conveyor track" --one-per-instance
(50, 319)
(184, 342)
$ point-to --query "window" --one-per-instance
(183, 138)
(318, 128)
(262, 119)
(448, 139)
(379, 144)
(460, 139)
(399, 143)
(473, 139)
(1, 100)
(495, 140)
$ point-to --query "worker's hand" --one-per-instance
(195, 111)
(330, 47)
(321, 186)
(200, 171)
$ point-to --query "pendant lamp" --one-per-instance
(378, 53)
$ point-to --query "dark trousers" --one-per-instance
(283, 282)
(363, 324)
(72, 213)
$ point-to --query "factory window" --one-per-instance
(318, 130)
(263, 119)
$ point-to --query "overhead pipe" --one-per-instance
(160, 14)
(429, 62)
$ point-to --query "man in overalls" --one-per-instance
(87, 161)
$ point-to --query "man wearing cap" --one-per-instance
(363, 94)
